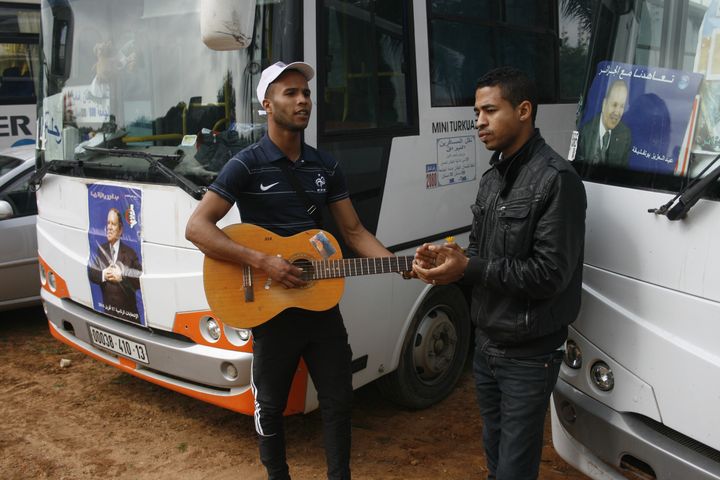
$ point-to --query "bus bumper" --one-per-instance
(198, 371)
(603, 443)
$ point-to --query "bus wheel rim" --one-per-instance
(434, 345)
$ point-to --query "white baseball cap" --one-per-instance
(271, 73)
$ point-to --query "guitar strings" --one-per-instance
(322, 269)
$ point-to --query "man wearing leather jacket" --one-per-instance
(524, 263)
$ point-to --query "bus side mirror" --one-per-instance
(62, 43)
(227, 24)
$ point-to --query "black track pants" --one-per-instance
(321, 340)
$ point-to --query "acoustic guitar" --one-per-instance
(244, 297)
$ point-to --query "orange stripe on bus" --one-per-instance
(241, 403)
(61, 288)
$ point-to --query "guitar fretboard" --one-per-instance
(351, 267)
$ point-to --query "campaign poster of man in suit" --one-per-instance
(606, 139)
(115, 264)
(638, 117)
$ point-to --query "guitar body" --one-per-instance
(226, 283)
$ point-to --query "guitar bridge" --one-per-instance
(248, 284)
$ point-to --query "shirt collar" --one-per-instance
(115, 250)
(603, 130)
(273, 153)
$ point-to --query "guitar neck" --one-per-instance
(351, 267)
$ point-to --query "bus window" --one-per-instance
(19, 72)
(661, 74)
(16, 82)
(111, 68)
(468, 38)
(19, 28)
(19, 19)
(368, 95)
(373, 67)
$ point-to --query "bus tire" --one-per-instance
(433, 352)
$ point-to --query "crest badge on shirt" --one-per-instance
(320, 183)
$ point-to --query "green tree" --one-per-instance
(572, 61)
(580, 10)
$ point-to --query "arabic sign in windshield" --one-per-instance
(638, 117)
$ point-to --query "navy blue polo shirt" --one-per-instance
(266, 198)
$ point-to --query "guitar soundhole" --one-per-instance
(307, 267)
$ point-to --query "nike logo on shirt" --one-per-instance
(265, 188)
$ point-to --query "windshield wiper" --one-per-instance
(688, 196)
(155, 161)
(55, 165)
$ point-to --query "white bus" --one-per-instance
(19, 70)
(639, 392)
(139, 114)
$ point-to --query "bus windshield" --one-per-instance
(136, 75)
(649, 116)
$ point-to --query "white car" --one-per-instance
(19, 276)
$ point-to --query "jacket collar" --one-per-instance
(509, 167)
(523, 153)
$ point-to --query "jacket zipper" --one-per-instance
(496, 219)
(527, 316)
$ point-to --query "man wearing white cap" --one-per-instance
(259, 180)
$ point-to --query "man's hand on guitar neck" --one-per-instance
(282, 271)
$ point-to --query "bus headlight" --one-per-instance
(51, 281)
(210, 329)
(573, 355)
(237, 336)
(43, 274)
(602, 376)
(213, 329)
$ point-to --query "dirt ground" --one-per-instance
(90, 421)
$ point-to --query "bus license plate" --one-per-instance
(119, 345)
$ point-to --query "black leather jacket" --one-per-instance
(526, 250)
